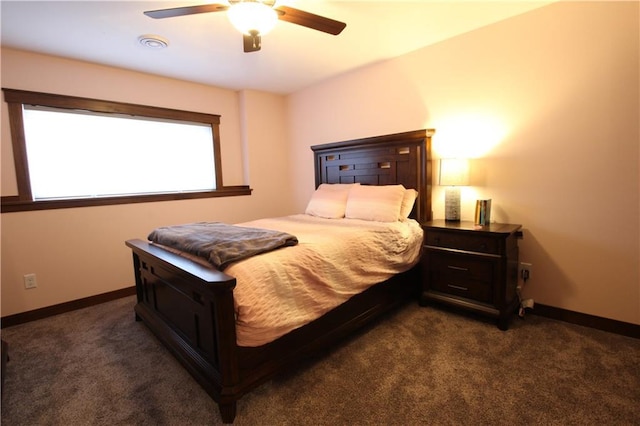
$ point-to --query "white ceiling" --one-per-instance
(205, 48)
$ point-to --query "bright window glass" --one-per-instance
(80, 154)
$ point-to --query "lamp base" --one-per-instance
(452, 204)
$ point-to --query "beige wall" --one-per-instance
(547, 105)
(77, 253)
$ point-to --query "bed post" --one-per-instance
(223, 306)
(136, 274)
(227, 411)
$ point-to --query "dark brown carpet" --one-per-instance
(97, 366)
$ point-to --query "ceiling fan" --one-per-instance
(254, 18)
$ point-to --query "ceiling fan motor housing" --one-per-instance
(252, 16)
(269, 3)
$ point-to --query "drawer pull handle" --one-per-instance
(457, 268)
(457, 287)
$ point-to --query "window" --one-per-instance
(79, 154)
(73, 152)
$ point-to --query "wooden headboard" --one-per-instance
(401, 158)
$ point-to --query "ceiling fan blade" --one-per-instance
(309, 20)
(187, 10)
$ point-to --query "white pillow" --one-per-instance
(376, 203)
(410, 196)
(329, 200)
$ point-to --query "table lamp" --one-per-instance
(454, 173)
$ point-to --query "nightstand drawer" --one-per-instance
(461, 275)
(468, 242)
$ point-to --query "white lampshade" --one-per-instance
(454, 172)
(254, 17)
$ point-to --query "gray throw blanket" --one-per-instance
(219, 243)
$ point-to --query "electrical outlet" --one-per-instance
(525, 271)
(30, 281)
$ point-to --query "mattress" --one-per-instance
(335, 259)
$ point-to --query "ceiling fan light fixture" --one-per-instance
(250, 17)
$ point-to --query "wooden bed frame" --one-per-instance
(190, 308)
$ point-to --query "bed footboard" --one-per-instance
(190, 309)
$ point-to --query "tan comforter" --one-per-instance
(279, 291)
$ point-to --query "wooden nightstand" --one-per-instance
(473, 268)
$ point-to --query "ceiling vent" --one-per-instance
(151, 41)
